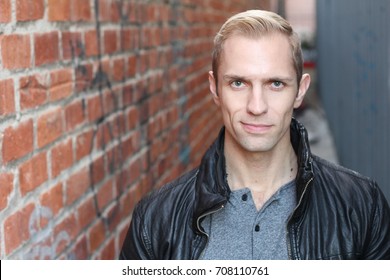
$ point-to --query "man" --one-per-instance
(258, 192)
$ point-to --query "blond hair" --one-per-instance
(254, 24)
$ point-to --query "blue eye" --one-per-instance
(277, 84)
(237, 84)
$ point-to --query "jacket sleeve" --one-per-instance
(378, 247)
(136, 243)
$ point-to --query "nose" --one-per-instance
(257, 103)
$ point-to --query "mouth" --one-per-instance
(255, 128)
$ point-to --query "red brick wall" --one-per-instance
(100, 101)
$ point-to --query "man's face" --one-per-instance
(257, 91)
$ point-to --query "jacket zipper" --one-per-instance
(299, 203)
(204, 215)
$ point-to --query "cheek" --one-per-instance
(281, 111)
(231, 110)
(282, 106)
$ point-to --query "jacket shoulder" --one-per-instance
(350, 204)
(148, 236)
(343, 181)
(338, 169)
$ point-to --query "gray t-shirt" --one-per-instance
(239, 231)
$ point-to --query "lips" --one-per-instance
(256, 128)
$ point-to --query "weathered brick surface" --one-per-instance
(27, 10)
(46, 48)
(5, 11)
(15, 51)
(6, 183)
(33, 173)
(101, 101)
(17, 141)
(7, 97)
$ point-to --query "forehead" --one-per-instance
(268, 54)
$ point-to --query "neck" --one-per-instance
(262, 172)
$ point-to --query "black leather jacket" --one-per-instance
(339, 214)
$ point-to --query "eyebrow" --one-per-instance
(285, 79)
(233, 77)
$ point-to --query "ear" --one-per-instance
(303, 87)
(213, 88)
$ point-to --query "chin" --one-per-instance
(256, 147)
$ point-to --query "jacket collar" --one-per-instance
(300, 143)
(212, 190)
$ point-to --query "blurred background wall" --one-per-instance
(353, 43)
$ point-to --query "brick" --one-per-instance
(6, 187)
(95, 108)
(7, 97)
(61, 84)
(116, 10)
(87, 213)
(110, 41)
(118, 70)
(27, 10)
(127, 202)
(110, 101)
(131, 66)
(5, 11)
(96, 235)
(50, 127)
(17, 141)
(103, 136)
(143, 63)
(74, 115)
(112, 216)
(61, 157)
(16, 51)
(134, 170)
(91, 43)
(46, 48)
(105, 195)
(97, 170)
(72, 45)
(59, 10)
(33, 173)
(53, 200)
(77, 185)
(81, 10)
(108, 252)
(104, 10)
(109, 10)
(104, 73)
(130, 145)
(127, 95)
(17, 228)
(33, 91)
(84, 144)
